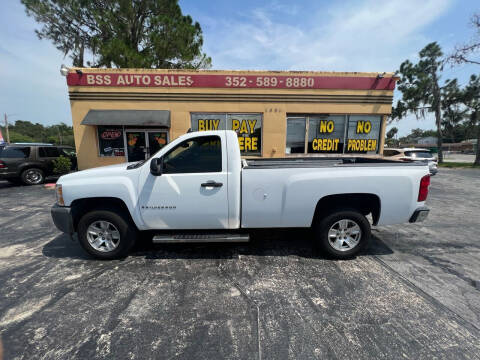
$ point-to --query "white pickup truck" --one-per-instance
(198, 189)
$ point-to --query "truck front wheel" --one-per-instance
(342, 234)
(106, 235)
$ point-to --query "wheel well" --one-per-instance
(82, 206)
(365, 203)
(31, 166)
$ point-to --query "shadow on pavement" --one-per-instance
(5, 184)
(63, 246)
(287, 243)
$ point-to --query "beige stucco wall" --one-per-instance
(274, 113)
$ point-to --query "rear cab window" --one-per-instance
(14, 152)
(387, 152)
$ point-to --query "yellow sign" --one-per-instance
(244, 129)
(208, 124)
(363, 127)
(362, 145)
(241, 126)
(325, 144)
(326, 126)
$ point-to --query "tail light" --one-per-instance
(2, 165)
(423, 191)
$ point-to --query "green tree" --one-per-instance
(15, 137)
(392, 132)
(453, 110)
(421, 92)
(390, 141)
(25, 131)
(471, 99)
(121, 33)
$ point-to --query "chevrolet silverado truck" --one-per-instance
(198, 189)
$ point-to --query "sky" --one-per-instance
(349, 35)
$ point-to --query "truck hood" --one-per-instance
(102, 171)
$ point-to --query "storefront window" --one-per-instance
(326, 134)
(363, 134)
(249, 131)
(247, 126)
(336, 134)
(110, 141)
(295, 135)
(204, 122)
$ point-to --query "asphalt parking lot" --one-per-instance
(414, 294)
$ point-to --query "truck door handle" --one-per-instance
(211, 183)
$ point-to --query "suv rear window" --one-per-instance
(49, 151)
(419, 154)
(14, 152)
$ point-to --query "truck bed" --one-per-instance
(313, 162)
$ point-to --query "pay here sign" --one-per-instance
(247, 126)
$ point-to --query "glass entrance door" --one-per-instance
(141, 144)
(136, 145)
(156, 141)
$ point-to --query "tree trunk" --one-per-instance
(477, 156)
(78, 60)
(438, 115)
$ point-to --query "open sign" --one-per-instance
(111, 134)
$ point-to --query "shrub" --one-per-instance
(62, 165)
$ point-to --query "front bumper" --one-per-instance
(62, 218)
(420, 214)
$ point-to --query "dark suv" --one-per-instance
(31, 163)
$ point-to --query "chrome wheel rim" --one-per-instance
(344, 235)
(33, 176)
(103, 236)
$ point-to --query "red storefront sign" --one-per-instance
(230, 81)
(111, 134)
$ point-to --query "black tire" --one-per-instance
(33, 176)
(126, 230)
(326, 244)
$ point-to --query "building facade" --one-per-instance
(128, 114)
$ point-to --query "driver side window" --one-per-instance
(197, 155)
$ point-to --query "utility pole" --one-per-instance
(6, 127)
(59, 134)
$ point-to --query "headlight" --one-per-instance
(59, 195)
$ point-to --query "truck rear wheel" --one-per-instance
(342, 234)
(106, 235)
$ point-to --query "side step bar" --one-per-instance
(200, 238)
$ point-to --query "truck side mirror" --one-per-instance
(156, 166)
